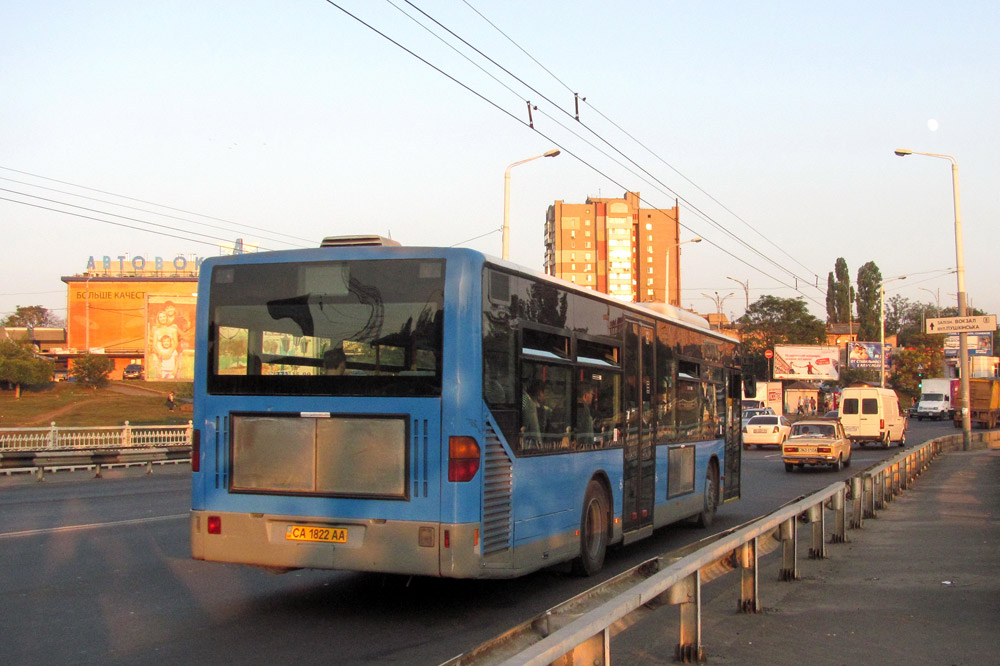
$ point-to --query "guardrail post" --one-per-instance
(595, 651)
(40, 474)
(687, 595)
(97, 472)
(868, 495)
(749, 581)
(149, 467)
(818, 520)
(857, 497)
(839, 517)
(789, 550)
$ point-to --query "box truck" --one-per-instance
(984, 403)
(936, 399)
(769, 394)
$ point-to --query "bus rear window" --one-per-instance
(337, 328)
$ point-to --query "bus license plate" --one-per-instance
(317, 534)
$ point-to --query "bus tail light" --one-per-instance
(214, 525)
(196, 450)
(463, 458)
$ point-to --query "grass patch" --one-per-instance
(70, 404)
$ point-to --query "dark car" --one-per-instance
(133, 371)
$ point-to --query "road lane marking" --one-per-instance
(74, 528)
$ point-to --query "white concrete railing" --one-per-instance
(54, 438)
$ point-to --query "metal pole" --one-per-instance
(881, 318)
(963, 340)
(506, 199)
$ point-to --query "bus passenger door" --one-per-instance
(639, 464)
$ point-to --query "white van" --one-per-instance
(872, 414)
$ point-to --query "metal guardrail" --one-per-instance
(37, 450)
(54, 438)
(579, 631)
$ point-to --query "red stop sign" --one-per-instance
(768, 353)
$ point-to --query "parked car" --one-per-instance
(766, 429)
(750, 413)
(818, 441)
(832, 414)
(133, 371)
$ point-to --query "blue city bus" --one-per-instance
(434, 411)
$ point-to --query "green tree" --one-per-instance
(912, 365)
(839, 294)
(868, 300)
(34, 316)
(20, 367)
(92, 370)
(774, 321)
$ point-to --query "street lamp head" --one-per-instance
(552, 153)
(696, 239)
(902, 152)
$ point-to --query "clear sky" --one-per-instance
(283, 122)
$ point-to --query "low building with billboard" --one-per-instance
(134, 310)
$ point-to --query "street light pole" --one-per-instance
(666, 274)
(506, 199)
(881, 317)
(963, 338)
(746, 288)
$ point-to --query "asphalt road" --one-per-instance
(99, 571)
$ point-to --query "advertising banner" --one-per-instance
(868, 355)
(980, 344)
(806, 362)
(170, 337)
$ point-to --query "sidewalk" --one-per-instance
(919, 584)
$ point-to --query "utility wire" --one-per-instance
(102, 212)
(708, 218)
(151, 203)
(633, 138)
(136, 208)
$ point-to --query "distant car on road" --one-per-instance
(817, 441)
(750, 413)
(766, 429)
(133, 371)
(832, 414)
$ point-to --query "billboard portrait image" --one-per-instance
(865, 355)
(806, 362)
(170, 338)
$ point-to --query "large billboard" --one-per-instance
(170, 337)
(868, 355)
(806, 362)
(980, 344)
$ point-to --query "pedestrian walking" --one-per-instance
(170, 401)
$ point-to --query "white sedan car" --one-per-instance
(767, 429)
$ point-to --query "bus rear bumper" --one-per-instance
(294, 542)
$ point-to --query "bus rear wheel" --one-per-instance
(707, 515)
(593, 531)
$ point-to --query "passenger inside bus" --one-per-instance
(334, 362)
(585, 417)
(533, 419)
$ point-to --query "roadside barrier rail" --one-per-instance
(37, 450)
(54, 438)
(579, 631)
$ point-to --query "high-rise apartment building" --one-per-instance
(617, 247)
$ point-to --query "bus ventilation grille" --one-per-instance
(497, 488)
